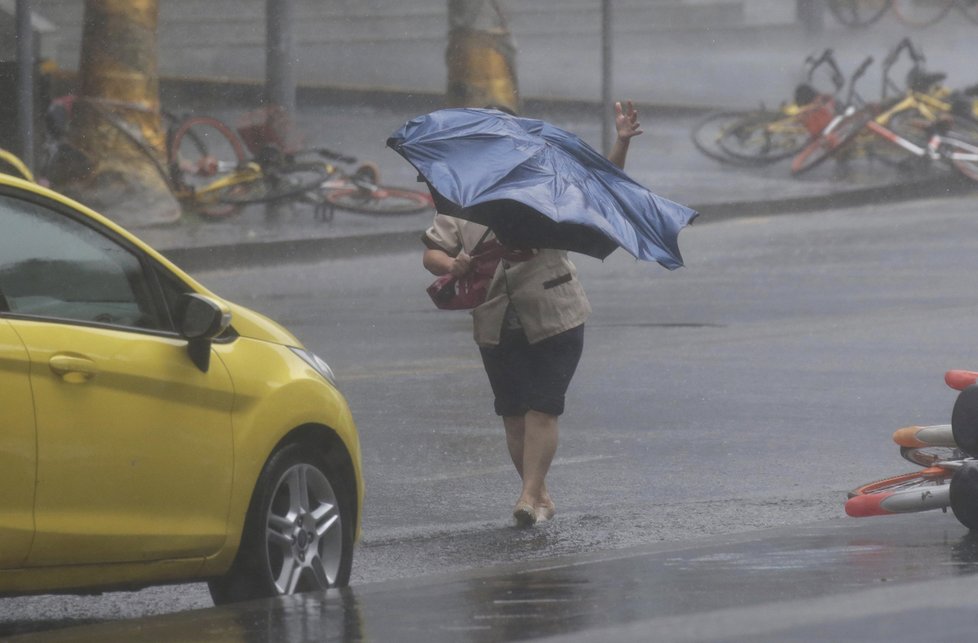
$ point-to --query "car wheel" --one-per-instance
(298, 535)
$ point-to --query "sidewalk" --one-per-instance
(663, 160)
(674, 75)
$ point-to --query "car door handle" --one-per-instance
(73, 369)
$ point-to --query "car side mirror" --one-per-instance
(199, 320)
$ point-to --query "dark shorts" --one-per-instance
(532, 377)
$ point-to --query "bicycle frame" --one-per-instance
(905, 495)
(247, 173)
(939, 146)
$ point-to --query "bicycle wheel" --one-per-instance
(819, 150)
(969, 8)
(764, 138)
(920, 13)
(961, 147)
(858, 13)
(378, 200)
(964, 157)
(905, 493)
(171, 122)
(201, 150)
(909, 124)
(708, 131)
(276, 184)
(930, 456)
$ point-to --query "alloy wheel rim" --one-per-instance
(303, 533)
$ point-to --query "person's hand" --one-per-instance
(460, 265)
(626, 121)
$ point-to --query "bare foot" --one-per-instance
(545, 510)
(524, 514)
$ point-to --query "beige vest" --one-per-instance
(544, 290)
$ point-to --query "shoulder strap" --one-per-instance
(479, 242)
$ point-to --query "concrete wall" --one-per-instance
(225, 38)
(399, 44)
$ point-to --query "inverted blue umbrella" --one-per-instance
(538, 186)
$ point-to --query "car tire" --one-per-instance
(298, 534)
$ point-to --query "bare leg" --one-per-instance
(539, 447)
(515, 430)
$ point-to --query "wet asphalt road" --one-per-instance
(747, 390)
(834, 581)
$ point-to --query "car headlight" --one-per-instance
(317, 363)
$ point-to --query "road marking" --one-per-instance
(519, 601)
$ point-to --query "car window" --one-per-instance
(54, 266)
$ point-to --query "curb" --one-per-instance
(905, 191)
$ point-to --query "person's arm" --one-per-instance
(439, 262)
(627, 126)
(445, 232)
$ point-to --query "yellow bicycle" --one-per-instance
(926, 121)
(211, 170)
(761, 137)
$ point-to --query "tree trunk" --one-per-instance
(481, 56)
(116, 124)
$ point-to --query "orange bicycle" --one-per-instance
(947, 454)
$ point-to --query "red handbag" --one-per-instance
(468, 291)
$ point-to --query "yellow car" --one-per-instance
(153, 432)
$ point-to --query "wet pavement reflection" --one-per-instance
(806, 581)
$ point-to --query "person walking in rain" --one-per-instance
(530, 333)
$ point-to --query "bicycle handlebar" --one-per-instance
(916, 57)
(827, 58)
(335, 156)
(856, 75)
(915, 54)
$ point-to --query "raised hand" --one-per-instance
(626, 121)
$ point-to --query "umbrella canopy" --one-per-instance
(538, 186)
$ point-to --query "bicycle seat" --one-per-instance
(919, 80)
(805, 94)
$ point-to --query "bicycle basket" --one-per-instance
(268, 127)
